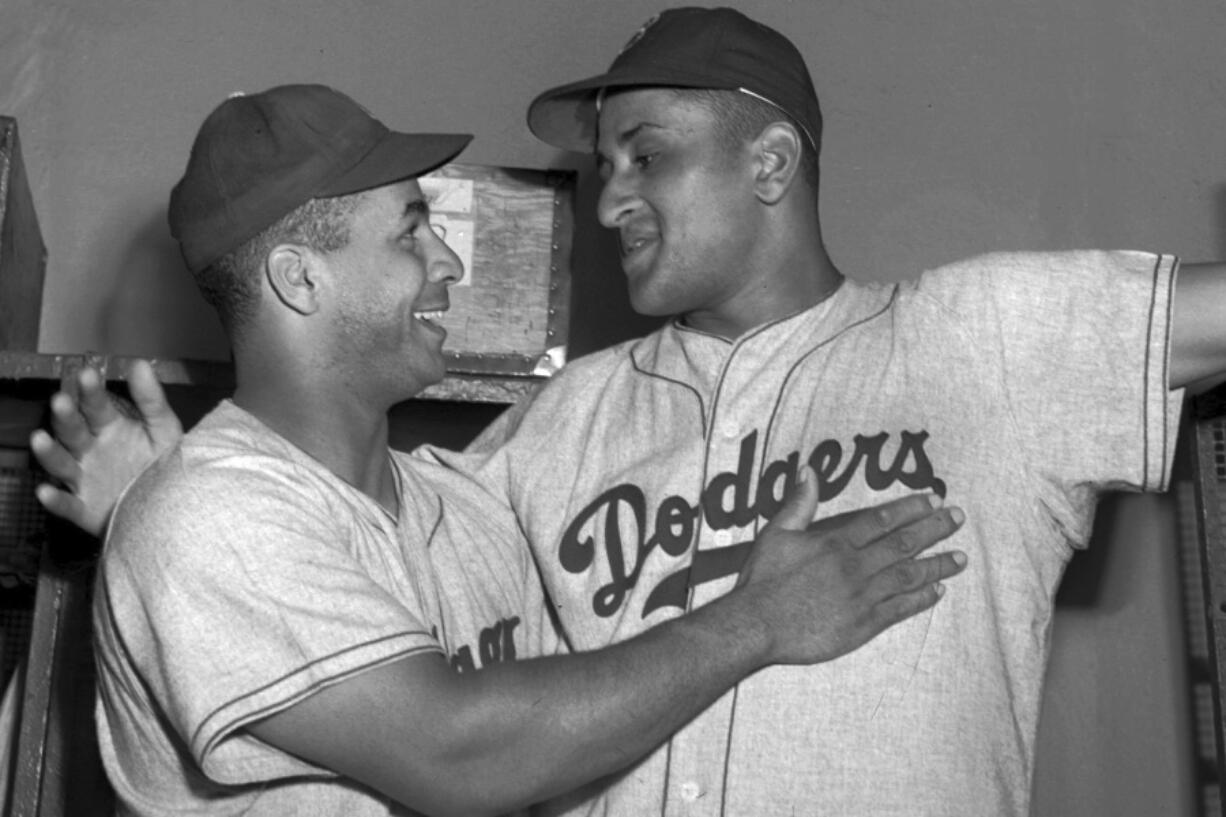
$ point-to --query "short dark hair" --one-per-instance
(740, 117)
(231, 284)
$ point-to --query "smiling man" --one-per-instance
(287, 610)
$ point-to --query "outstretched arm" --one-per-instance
(521, 732)
(1198, 330)
(101, 444)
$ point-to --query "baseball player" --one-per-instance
(1018, 386)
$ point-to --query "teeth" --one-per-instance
(436, 315)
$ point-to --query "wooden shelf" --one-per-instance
(218, 375)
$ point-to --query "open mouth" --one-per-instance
(634, 237)
(431, 316)
(635, 247)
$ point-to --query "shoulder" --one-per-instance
(1019, 304)
(221, 486)
(601, 363)
(587, 378)
(1022, 269)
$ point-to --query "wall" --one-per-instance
(954, 126)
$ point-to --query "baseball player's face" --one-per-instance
(390, 288)
(683, 205)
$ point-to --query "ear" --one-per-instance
(292, 273)
(777, 151)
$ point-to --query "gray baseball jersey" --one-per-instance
(1017, 386)
(241, 575)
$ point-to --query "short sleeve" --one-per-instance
(221, 609)
(1078, 342)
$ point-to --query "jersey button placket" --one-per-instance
(723, 453)
(697, 757)
(698, 754)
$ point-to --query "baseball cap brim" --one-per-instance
(565, 116)
(395, 157)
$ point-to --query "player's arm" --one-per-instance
(1198, 326)
(517, 733)
(100, 444)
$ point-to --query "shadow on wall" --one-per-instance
(1086, 574)
(173, 320)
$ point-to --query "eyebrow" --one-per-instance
(629, 134)
(416, 207)
(625, 137)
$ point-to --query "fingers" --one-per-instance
(913, 586)
(860, 527)
(54, 458)
(67, 423)
(898, 548)
(799, 506)
(906, 585)
(827, 588)
(94, 402)
(150, 399)
(909, 587)
(905, 605)
(63, 504)
(902, 578)
(79, 409)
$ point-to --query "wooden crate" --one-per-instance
(512, 229)
(23, 256)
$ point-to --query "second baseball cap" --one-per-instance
(689, 47)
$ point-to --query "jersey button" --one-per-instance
(723, 538)
(730, 429)
(690, 791)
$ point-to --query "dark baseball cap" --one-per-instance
(257, 157)
(712, 48)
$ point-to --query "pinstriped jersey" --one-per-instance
(1017, 386)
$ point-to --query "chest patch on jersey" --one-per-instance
(619, 523)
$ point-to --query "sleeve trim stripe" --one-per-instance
(224, 720)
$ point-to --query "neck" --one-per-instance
(789, 277)
(324, 417)
(785, 269)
